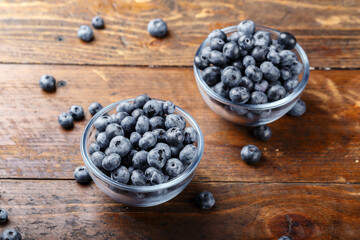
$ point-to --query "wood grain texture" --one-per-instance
(321, 146)
(45, 31)
(66, 210)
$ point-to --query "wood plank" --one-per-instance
(66, 210)
(321, 146)
(30, 31)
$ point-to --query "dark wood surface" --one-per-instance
(306, 185)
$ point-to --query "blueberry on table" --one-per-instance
(191, 135)
(157, 28)
(262, 133)
(154, 176)
(120, 145)
(201, 62)
(250, 154)
(140, 100)
(175, 120)
(253, 73)
(147, 141)
(217, 34)
(258, 98)
(231, 50)
(85, 33)
(47, 83)
(10, 234)
(157, 158)
(174, 136)
(285, 238)
(246, 42)
(156, 122)
(276, 92)
(139, 160)
(121, 175)
(188, 153)
(3, 215)
(125, 107)
(221, 90)
(211, 75)
(298, 110)
(98, 22)
(111, 162)
(101, 123)
(94, 108)
(166, 148)
(287, 40)
(66, 120)
(246, 26)
(239, 94)
(174, 167)
(142, 125)
(77, 112)
(204, 200)
(231, 76)
(81, 175)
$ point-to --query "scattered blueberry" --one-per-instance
(98, 22)
(262, 133)
(94, 108)
(77, 112)
(204, 200)
(85, 33)
(174, 167)
(298, 110)
(3, 215)
(47, 83)
(81, 175)
(157, 28)
(66, 120)
(250, 154)
(10, 234)
(121, 175)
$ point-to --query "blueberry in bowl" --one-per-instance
(251, 75)
(145, 161)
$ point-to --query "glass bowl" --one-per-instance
(140, 196)
(250, 114)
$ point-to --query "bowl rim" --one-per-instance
(94, 170)
(299, 89)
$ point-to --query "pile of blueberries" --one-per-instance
(249, 66)
(144, 143)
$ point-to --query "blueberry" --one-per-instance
(259, 53)
(258, 98)
(130, 169)
(94, 108)
(98, 22)
(174, 167)
(246, 42)
(262, 38)
(235, 36)
(156, 122)
(201, 62)
(191, 135)
(147, 141)
(154, 176)
(231, 50)
(262, 133)
(270, 72)
(217, 58)
(285, 238)
(239, 64)
(296, 68)
(97, 158)
(10, 234)
(157, 28)
(273, 57)
(217, 44)
(237, 110)
(107, 151)
(66, 120)
(175, 150)
(298, 110)
(205, 52)
(47, 83)
(102, 140)
(274, 46)
(287, 57)
(3, 215)
(81, 175)
(204, 200)
(112, 130)
(276, 92)
(217, 34)
(101, 123)
(120, 145)
(111, 162)
(211, 75)
(175, 120)
(85, 33)
(287, 40)
(156, 158)
(188, 153)
(121, 175)
(152, 108)
(221, 90)
(247, 83)
(275, 83)
(250, 154)
(138, 178)
(166, 148)
(127, 159)
(174, 136)
(246, 26)
(140, 100)
(137, 113)
(160, 134)
(291, 84)
(96, 134)
(120, 116)
(261, 86)
(231, 76)
(113, 118)
(140, 161)
(168, 107)
(248, 60)
(239, 94)
(94, 147)
(77, 112)
(135, 138)
(128, 124)
(142, 125)
(125, 107)
(285, 73)
(253, 73)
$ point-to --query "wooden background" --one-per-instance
(307, 185)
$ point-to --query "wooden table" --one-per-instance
(307, 185)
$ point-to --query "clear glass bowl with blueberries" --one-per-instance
(251, 75)
(141, 154)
